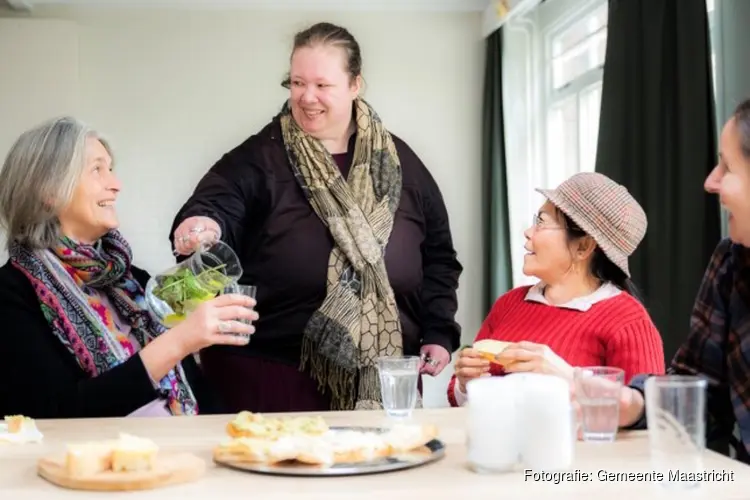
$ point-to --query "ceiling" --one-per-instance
(304, 5)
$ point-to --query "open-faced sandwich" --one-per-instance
(255, 425)
(314, 443)
(19, 429)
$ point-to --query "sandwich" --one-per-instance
(491, 350)
(19, 429)
(255, 425)
(314, 444)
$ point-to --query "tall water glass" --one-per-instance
(598, 391)
(398, 384)
(675, 410)
(247, 290)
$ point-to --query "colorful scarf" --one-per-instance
(358, 320)
(64, 278)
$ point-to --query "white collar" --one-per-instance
(605, 291)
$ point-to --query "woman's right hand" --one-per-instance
(470, 365)
(215, 322)
(194, 230)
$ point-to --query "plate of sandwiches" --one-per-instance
(308, 446)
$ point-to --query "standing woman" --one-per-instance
(344, 232)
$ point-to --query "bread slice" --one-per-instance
(134, 454)
(126, 454)
(404, 437)
(88, 459)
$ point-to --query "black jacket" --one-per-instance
(284, 247)
(39, 378)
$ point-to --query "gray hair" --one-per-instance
(37, 180)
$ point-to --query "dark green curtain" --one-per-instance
(495, 218)
(657, 136)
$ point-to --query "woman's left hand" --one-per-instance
(433, 358)
(536, 358)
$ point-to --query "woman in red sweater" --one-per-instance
(584, 311)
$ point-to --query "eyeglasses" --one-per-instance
(539, 223)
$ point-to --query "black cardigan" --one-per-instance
(39, 378)
(285, 248)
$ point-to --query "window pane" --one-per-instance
(581, 30)
(583, 57)
(589, 104)
(562, 141)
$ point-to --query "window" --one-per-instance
(575, 60)
(553, 64)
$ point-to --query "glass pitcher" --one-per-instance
(178, 291)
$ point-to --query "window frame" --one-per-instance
(551, 25)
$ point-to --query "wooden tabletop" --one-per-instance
(447, 478)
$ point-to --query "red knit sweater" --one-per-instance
(614, 332)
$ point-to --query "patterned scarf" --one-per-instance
(62, 276)
(358, 320)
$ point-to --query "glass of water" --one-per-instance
(398, 384)
(597, 390)
(675, 406)
(248, 290)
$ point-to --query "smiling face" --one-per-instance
(91, 212)
(730, 179)
(549, 257)
(322, 91)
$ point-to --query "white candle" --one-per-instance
(492, 431)
(548, 425)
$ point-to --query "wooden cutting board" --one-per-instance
(169, 470)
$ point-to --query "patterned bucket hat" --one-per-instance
(605, 210)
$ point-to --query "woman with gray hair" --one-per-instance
(78, 340)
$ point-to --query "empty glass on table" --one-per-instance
(675, 411)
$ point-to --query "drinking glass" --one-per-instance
(598, 391)
(398, 384)
(675, 411)
(247, 290)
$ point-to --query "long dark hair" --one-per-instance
(602, 268)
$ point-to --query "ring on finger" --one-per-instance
(432, 362)
(197, 229)
(225, 326)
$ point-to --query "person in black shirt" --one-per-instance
(345, 234)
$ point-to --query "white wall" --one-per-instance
(174, 89)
